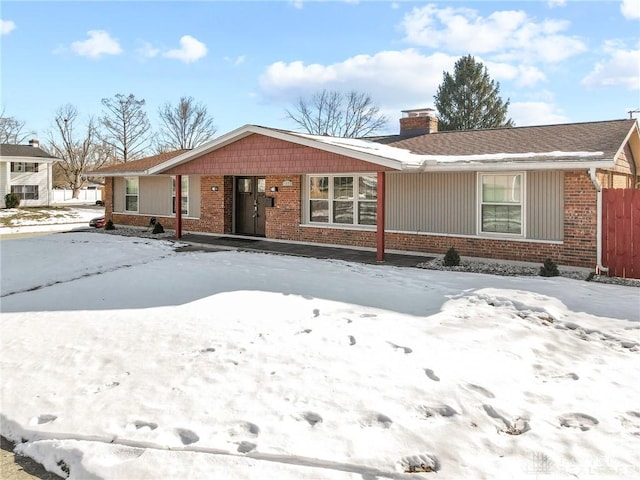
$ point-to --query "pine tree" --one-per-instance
(469, 99)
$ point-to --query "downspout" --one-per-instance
(596, 183)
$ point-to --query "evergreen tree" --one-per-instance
(469, 99)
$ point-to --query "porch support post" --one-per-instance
(380, 219)
(178, 206)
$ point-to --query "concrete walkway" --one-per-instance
(303, 250)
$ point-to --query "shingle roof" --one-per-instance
(13, 150)
(605, 137)
(141, 164)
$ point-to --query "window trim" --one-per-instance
(330, 200)
(22, 167)
(522, 204)
(22, 194)
(185, 195)
(137, 194)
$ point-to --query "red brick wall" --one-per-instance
(284, 219)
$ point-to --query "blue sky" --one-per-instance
(557, 61)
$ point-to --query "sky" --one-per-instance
(144, 362)
(556, 61)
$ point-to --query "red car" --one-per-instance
(97, 222)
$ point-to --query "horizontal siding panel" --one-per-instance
(442, 203)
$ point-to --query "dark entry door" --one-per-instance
(250, 203)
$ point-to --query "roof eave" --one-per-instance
(508, 166)
(13, 158)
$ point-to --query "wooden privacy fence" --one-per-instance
(621, 231)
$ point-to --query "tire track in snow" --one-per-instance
(86, 275)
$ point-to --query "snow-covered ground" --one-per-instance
(62, 217)
(124, 359)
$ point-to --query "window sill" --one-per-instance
(334, 226)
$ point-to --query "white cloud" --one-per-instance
(148, 51)
(630, 9)
(6, 27)
(297, 4)
(536, 113)
(395, 79)
(191, 50)
(99, 43)
(510, 34)
(239, 60)
(521, 75)
(556, 3)
(620, 68)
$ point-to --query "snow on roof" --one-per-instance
(412, 160)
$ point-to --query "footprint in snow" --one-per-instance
(140, 424)
(438, 411)
(429, 373)
(578, 420)
(352, 340)
(43, 419)
(517, 427)
(479, 389)
(246, 447)
(312, 418)
(422, 463)
(406, 350)
(187, 437)
(375, 419)
(316, 312)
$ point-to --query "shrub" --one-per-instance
(157, 228)
(11, 200)
(451, 258)
(109, 225)
(549, 269)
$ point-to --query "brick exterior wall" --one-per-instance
(284, 219)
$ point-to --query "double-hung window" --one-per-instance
(501, 203)
(25, 192)
(24, 167)
(343, 199)
(131, 194)
(185, 194)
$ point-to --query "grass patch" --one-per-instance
(33, 215)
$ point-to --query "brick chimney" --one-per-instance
(34, 143)
(418, 122)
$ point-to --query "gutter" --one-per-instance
(596, 183)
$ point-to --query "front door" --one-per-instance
(250, 203)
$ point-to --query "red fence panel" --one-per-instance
(621, 231)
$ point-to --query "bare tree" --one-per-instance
(12, 130)
(78, 152)
(340, 115)
(185, 125)
(126, 126)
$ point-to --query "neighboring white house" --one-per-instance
(27, 171)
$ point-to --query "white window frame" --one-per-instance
(185, 194)
(26, 192)
(25, 167)
(521, 204)
(330, 200)
(127, 194)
